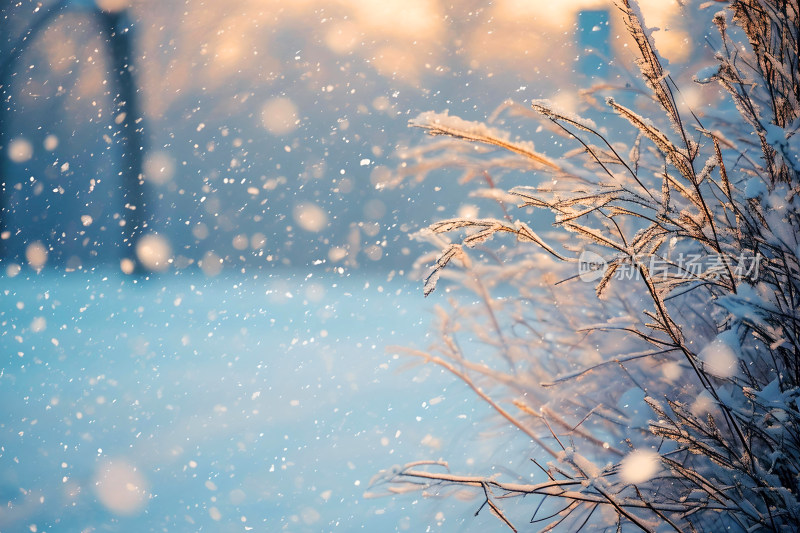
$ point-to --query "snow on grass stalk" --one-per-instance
(672, 401)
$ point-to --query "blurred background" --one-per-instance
(265, 129)
(251, 149)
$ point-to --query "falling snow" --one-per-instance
(206, 257)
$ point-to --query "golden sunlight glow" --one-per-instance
(343, 37)
(397, 61)
(539, 37)
(279, 116)
(550, 14)
(112, 5)
(671, 39)
(408, 19)
(399, 39)
(227, 51)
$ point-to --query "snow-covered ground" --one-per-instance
(182, 403)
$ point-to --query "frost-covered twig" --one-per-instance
(678, 348)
